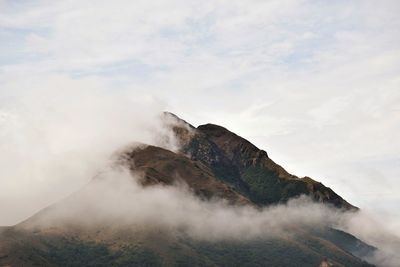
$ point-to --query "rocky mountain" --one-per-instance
(245, 167)
(213, 163)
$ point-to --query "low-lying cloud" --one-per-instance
(54, 142)
(116, 199)
(56, 133)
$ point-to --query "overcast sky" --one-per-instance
(314, 83)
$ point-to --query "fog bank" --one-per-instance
(116, 199)
(52, 142)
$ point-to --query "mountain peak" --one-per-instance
(248, 169)
(213, 163)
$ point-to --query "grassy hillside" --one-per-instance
(159, 248)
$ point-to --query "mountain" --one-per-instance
(213, 163)
(248, 169)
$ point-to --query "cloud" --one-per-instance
(57, 133)
(115, 200)
(373, 229)
(315, 84)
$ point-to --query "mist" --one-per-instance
(57, 133)
(55, 143)
(117, 200)
(80, 82)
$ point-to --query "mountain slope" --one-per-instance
(213, 163)
(161, 166)
(238, 162)
(156, 248)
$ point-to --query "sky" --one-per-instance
(314, 83)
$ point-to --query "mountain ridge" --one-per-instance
(217, 147)
(213, 163)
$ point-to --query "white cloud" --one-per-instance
(315, 84)
(115, 200)
(57, 133)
